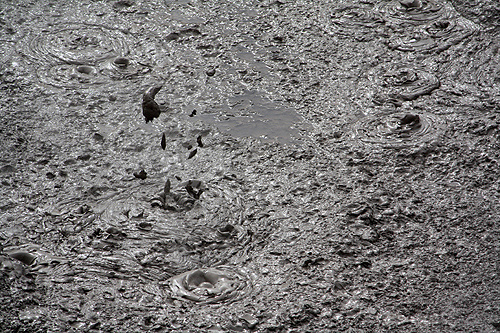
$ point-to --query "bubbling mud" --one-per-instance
(406, 84)
(436, 36)
(75, 43)
(75, 55)
(211, 285)
(398, 129)
(414, 12)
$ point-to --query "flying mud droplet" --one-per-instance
(192, 153)
(222, 284)
(405, 84)
(141, 174)
(198, 140)
(150, 109)
(398, 130)
(193, 113)
(163, 141)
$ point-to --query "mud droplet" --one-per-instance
(192, 153)
(211, 72)
(141, 174)
(166, 189)
(193, 113)
(163, 141)
(150, 109)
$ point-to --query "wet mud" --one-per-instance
(257, 166)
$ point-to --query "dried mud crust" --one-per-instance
(337, 234)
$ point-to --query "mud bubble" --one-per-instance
(398, 129)
(414, 12)
(211, 285)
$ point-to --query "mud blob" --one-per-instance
(396, 129)
(210, 285)
(150, 109)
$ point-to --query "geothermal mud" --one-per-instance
(241, 166)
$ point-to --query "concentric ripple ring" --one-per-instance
(386, 129)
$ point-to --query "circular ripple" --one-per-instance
(386, 129)
(355, 18)
(77, 44)
(406, 84)
(437, 36)
(416, 12)
(69, 76)
(211, 285)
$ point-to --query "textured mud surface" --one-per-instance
(305, 166)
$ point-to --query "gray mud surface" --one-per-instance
(307, 166)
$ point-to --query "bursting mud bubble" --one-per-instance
(249, 166)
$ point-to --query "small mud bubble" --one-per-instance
(410, 119)
(85, 69)
(210, 72)
(211, 285)
(146, 226)
(121, 62)
(225, 231)
(24, 257)
(411, 3)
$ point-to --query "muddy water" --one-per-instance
(324, 163)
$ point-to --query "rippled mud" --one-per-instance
(228, 166)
